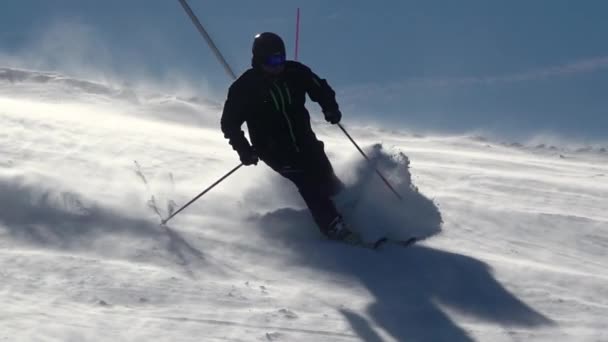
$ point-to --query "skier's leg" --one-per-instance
(321, 206)
(326, 214)
(316, 181)
(318, 163)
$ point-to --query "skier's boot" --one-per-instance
(338, 230)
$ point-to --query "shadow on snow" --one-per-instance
(61, 220)
(413, 288)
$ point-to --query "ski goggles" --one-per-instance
(275, 60)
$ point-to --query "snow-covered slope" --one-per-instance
(516, 244)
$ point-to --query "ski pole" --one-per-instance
(208, 39)
(201, 194)
(369, 161)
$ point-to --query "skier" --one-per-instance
(270, 98)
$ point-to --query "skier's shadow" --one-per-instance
(413, 288)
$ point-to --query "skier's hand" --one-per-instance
(249, 157)
(333, 116)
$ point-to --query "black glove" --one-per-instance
(248, 157)
(333, 116)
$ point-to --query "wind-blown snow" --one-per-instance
(515, 237)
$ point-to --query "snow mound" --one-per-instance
(72, 86)
(375, 210)
(52, 87)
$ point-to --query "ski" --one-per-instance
(379, 243)
(386, 240)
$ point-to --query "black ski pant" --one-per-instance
(311, 172)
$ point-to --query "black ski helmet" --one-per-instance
(265, 45)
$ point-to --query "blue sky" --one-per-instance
(512, 68)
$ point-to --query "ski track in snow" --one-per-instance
(516, 244)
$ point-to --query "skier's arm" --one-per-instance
(319, 91)
(233, 118)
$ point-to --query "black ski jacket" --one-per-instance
(273, 108)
